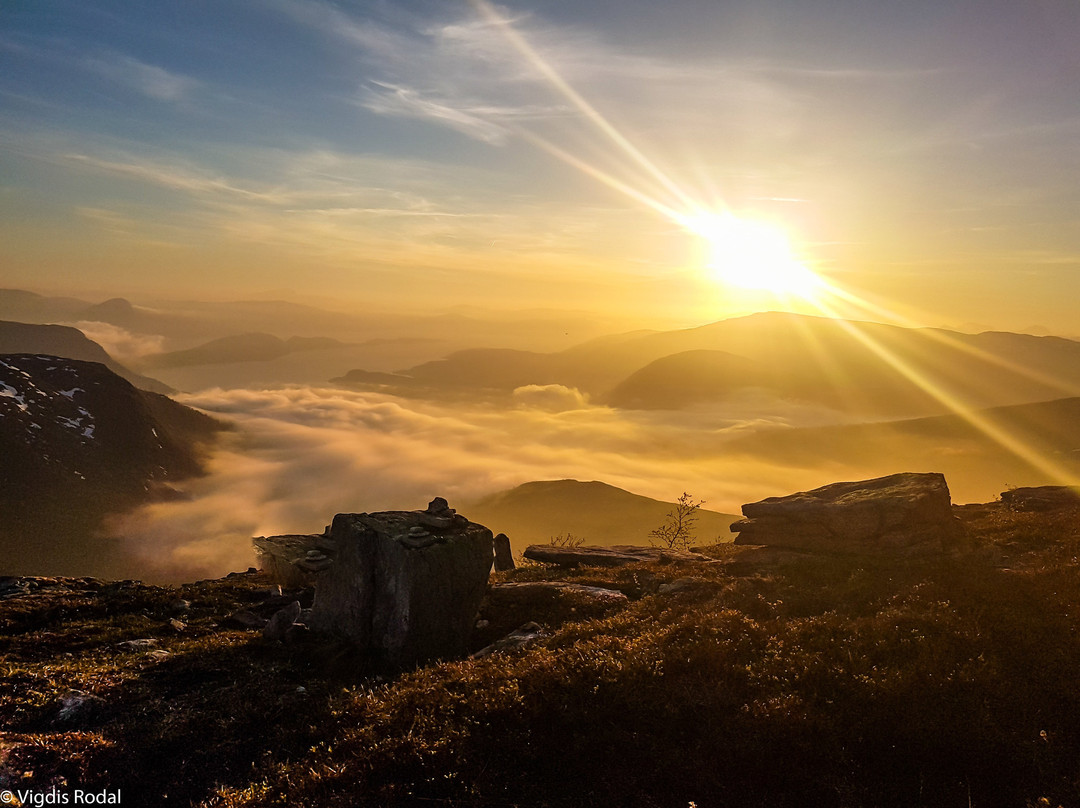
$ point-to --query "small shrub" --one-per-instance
(677, 532)
(566, 540)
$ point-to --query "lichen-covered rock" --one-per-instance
(901, 514)
(405, 586)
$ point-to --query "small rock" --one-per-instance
(278, 625)
(296, 633)
(78, 708)
(13, 587)
(244, 619)
(137, 645)
(439, 506)
(417, 538)
(439, 514)
(504, 558)
(179, 606)
(313, 564)
(177, 625)
(680, 585)
(514, 641)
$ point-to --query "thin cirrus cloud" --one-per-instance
(149, 80)
(191, 180)
(393, 100)
(336, 206)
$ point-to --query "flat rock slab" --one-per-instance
(554, 589)
(901, 514)
(1041, 498)
(616, 556)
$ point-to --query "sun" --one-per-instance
(753, 255)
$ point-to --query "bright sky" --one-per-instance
(924, 153)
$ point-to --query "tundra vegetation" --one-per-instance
(830, 681)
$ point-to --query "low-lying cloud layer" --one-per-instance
(300, 455)
(121, 344)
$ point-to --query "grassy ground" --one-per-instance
(827, 682)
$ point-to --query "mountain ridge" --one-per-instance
(593, 511)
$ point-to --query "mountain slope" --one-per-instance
(71, 343)
(18, 304)
(979, 453)
(251, 347)
(78, 442)
(595, 512)
(687, 378)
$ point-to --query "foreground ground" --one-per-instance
(831, 682)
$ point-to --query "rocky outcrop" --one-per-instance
(617, 556)
(70, 343)
(901, 514)
(404, 586)
(77, 442)
(1041, 498)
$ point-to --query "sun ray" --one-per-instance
(942, 338)
(590, 112)
(738, 241)
(981, 420)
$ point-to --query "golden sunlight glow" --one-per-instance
(753, 255)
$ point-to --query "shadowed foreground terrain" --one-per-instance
(835, 681)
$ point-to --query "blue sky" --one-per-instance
(923, 154)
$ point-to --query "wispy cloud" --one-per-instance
(150, 80)
(179, 178)
(389, 99)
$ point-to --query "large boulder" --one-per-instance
(404, 586)
(901, 514)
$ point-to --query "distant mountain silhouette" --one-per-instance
(71, 343)
(860, 368)
(253, 347)
(78, 442)
(596, 512)
(23, 306)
